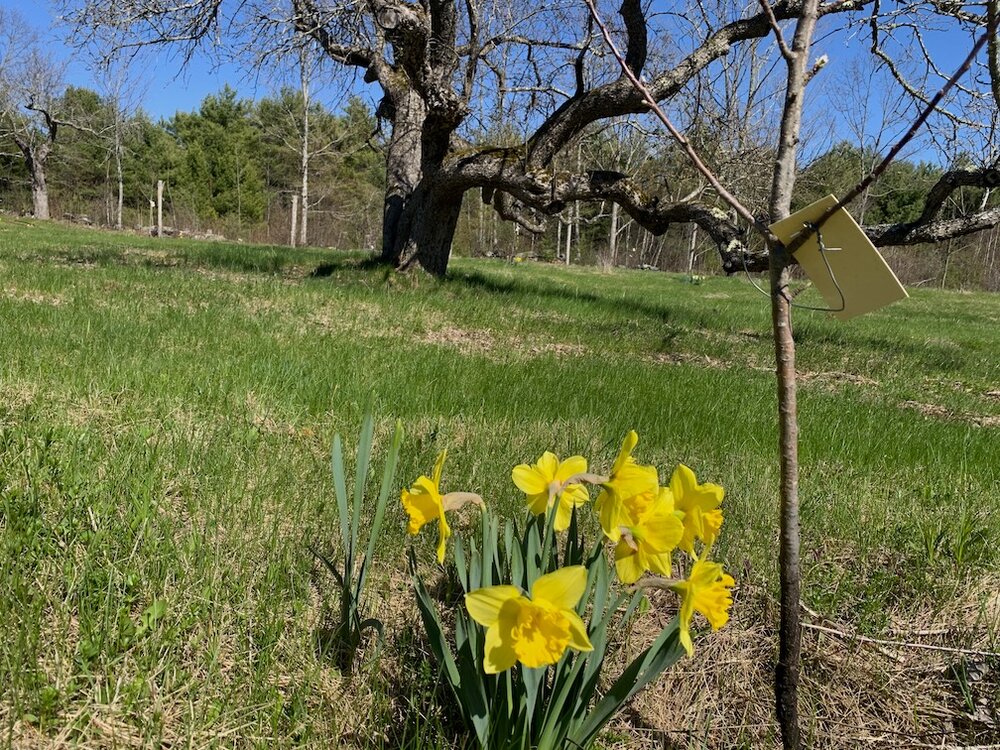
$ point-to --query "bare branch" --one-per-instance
(692, 155)
(895, 150)
(918, 233)
(993, 53)
(779, 35)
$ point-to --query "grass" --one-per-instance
(166, 413)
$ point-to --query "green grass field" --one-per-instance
(166, 415)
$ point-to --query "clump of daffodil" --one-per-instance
(550, 480)
(629, 481)
(535, 631)
(699, 504)
(648, 535)
(424, 503)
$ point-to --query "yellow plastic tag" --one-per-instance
(864, 277)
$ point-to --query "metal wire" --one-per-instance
(822, 254)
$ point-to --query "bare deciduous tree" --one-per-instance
(33, 107)
(443, 65)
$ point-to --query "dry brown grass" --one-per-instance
(936, 411)
(33, 296)
(855, 693)
(489, 343)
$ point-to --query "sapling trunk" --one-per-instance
(790, 637)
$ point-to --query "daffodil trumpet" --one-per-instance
(707, 589)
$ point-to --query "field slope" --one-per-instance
(166, 415)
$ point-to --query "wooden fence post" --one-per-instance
(159, 208)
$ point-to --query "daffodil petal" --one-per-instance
(661, 531)
(570, 467)
(627, 564)
(564, 513)
(484, 604)
(529, 480)
(608, 508)
(685, 639)
(539, 503)
(548, 465)
(577, 632)
(685, 615)
(628, 445)
(444, 531)
(634, 479)
(659, 563)
(576, 494)
(561, 589)
(498, 654)
(438, 468)
(682, 481)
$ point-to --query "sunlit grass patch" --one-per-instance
(164, 462)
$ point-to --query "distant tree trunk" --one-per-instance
(39, 194)
(569, 239)
(304, 67)
(35, 159)
(693, 249)
(121, 181)
(576, 212)
(613, 236)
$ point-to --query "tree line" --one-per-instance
(230, 167)
(237, 167)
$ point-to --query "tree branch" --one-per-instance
(993, 53)
(620, 97)
(307, 22)
(918, 233)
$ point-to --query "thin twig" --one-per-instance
(692, 155)
(854, 192)
(901, 644)
(778, 35)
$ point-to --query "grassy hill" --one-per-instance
(166, 414)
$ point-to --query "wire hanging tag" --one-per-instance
(840, 261)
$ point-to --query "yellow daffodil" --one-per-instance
(535, 631)
(628, 480)
(700, 505)
(545, 482)
(648, 542)
(707, 590)
(424, 503)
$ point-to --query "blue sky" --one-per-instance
(168, 88)
(166, 91)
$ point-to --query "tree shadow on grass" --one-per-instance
(526, 290)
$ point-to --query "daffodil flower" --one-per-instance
(648, 542)
(535, 631)
(700, 505)
(628, 480)
(424, 503)
(550, 480)
(707, 590)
